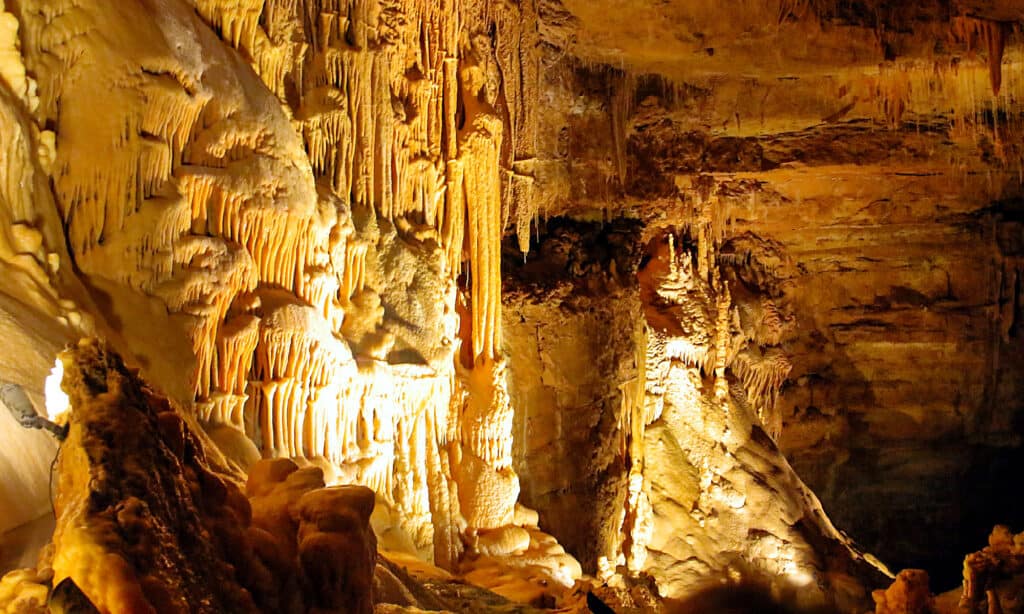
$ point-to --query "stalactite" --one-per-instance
(622, 108)
(354, 280)
(993, 35)
(483, 202)
(238, 184)
(453, 224)
(893, 92)
(238, 22)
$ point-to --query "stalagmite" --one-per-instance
(724, 475)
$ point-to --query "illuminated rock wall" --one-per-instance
(645, 372)
(272, 206)
(290, 216)
(879, 180)
(306, 298)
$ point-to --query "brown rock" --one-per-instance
(337, 549)
(908, 594)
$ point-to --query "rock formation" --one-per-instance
(563, 299)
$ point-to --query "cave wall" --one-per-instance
(288, 216)
(914, 401)
(304, 222)
(265, 208)
(883, 172)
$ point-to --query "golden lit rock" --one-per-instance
(908, 594)
(565, 302)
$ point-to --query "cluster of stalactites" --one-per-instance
(231, 205)
(762, 373)
(376, 105)
(977, 97)
(297, 357)
(279, 250)
(380, 128)
(192, 192)
(992, 34)
(374, 101)
(747, 330)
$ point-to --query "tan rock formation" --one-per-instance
(909, 593)
(759, 246)
(994, 576)
(145, 523)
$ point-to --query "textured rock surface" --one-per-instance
(994, 576)
(908, 594)
(573, 341)
(903, 395)
(144, 523)
(790, 225)
(860, 151)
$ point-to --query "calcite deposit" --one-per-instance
(492, 305)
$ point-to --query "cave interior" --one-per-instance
(511, 305)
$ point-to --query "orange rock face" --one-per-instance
(909, 594)
(337, 548)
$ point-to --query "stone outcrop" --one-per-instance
(993, 581)
(908, 594)
(145, 522)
